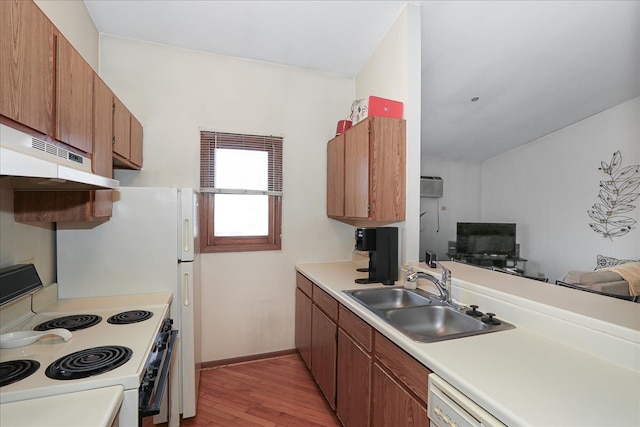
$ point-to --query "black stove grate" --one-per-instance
(71, 323)
(127, 317)
(89, 362)
(16, 370)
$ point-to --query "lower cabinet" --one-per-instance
(367, 379)
(393, 405)
(353, 405)
(323, 353)
(303, 326)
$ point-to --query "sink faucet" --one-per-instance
(443, 285)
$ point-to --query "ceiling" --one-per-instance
(536, 66)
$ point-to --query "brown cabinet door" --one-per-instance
(353, 383)
(335, 177)
(323, 354)
(102, 144)
(136, 142)
(74, 98)
(103, 129)
(303, 326)
(356, 171)
(388, 169)
(394, 406)
(121, 129)
(55, 206)
(26, 65)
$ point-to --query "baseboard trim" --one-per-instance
(246, 359)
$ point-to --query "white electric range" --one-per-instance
(116, 341)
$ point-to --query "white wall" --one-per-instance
(460, 202)
(247, 297)
(548, 185)
(393, 72)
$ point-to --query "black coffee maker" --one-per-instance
(382, 244)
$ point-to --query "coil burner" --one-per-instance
(89, 362)
(16, 370)
(127, 317)
(71, 323)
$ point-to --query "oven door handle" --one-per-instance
(150, 402)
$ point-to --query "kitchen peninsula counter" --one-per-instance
(572, 360)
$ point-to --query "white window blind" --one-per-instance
(240, 164)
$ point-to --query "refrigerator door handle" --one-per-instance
(185, 289)
(186, 235)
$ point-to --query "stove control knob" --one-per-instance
(166, 325)
(148, 382)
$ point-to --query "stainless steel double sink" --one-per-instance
(424, 318)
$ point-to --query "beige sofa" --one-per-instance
(601, 281)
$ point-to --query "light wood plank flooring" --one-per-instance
(276, 392)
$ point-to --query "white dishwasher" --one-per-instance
(450, 408)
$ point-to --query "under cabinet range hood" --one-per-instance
(35, 164)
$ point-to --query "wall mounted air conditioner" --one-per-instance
(431, 186)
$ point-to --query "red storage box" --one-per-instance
(375, 106)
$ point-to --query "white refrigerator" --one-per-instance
(151, 244)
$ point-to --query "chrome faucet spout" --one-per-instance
(443, 285)
(446, 280)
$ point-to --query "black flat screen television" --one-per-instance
(486, 238)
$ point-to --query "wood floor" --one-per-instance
(276, 392)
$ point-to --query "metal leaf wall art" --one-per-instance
(616, 195)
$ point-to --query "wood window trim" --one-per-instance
(212, 244)
(210, 141)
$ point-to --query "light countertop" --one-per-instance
(570, 361)
(96, 408)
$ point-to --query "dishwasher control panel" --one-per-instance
(447, 407)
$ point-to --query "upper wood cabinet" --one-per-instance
(74, 98)
(78, 206)
(121, 129)
(102, 202)
(127, 138)
(335, 177)
(369, 171)
(102, 128)
(136, 142)
(47, 86)
(26, 65)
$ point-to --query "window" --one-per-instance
(241, 183)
